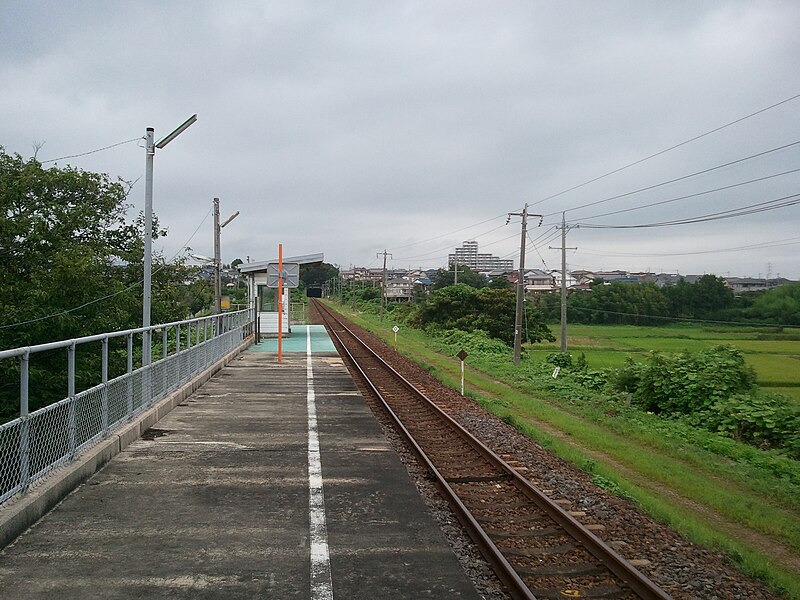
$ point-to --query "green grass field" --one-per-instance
(776, 361)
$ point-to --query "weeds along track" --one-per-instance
(537, 549)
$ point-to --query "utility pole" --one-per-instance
(217, 261)
(520, 281)
(383, 291)
(217, 256)
(563, 281)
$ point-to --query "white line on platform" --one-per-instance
(321, 584)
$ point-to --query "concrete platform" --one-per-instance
(296, 341)
(216, 503)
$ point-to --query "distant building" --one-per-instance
(537, 280)
(754, 284)
(404, 288)
(372, 274)
(468, 255)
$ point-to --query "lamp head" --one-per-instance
(181, 128)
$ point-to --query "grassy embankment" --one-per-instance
(722, 494)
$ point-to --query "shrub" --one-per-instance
(593, 379)
(560, 359)
(686, 382)
(476, 342)
(760, 418)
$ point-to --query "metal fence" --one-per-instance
(297, 313)
(36, 443)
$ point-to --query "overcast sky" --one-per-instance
(352, 127)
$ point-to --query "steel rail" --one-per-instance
(621, 568)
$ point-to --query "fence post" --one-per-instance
(72, 426)
(188, 347)
(130, 376)
(24, 426)
(197, 340)
(104, 390)
(165, 341)
(178, 357)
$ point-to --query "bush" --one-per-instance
(560, 359)
(476, 342)
(592, 379)
(685, 383)
(760, 418)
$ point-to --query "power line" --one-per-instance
(91, 151)
(434, 253)
(772, 244)
(695, 195)
(659, 153)
(535, 247)
(682, 178)
(436, 237)
(765, 206)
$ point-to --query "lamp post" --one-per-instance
(150, 152)
(218, 257)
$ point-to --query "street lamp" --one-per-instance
(217, 256)
(150, 151)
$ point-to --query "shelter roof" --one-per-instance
(304, 259)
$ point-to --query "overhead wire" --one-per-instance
(535, 247)
(647, 188)
(669, 149)
(773, 244)
(759, 207)
(434, 253)
(436, 237)
(136, 139)
(676, 179)
(688, 196)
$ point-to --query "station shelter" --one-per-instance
(263, 296)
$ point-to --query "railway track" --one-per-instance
(537, 549)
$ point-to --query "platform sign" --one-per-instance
(291, 275)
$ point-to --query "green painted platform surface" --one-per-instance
(296, 342)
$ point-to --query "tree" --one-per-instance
(64, 242)
(316, 275)
(466, 276)
(70, 266)
(780, 305)
(634, 303)
(500, 283)
(711, 295)
(491, 310)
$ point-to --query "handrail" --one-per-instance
(37, 442)
(114, 334)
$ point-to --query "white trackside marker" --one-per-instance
(321, 584)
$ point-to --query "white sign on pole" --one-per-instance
(291, 275)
